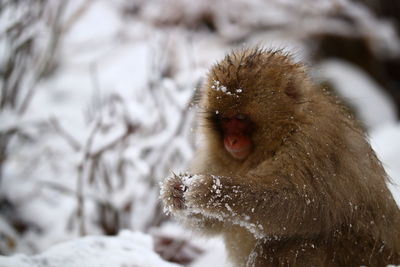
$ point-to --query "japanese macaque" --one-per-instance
(283, 172)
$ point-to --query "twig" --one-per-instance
(129, 130)
(80, 183)
(68, 137)
(69, 191)
(77, 15)
(47, 59)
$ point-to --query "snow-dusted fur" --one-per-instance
(312, 192)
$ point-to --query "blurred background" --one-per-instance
(97, 102)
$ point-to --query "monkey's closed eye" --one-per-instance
(241, 117)
(214, 121)
(224, 119)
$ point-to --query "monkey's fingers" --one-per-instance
(179, 189)
(178, 203)
(177, 195)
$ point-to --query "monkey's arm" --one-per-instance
(264, 205)
(272, 203)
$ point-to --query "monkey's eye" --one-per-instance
(214, 120)
(224, 119)
(241, 117)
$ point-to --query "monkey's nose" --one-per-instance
(232, 140)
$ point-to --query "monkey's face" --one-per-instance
(251, 102)
(236, 134)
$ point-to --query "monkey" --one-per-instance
(283, 171)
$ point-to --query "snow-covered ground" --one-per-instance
(117, 116)
(126, 249)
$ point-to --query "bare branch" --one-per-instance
(129, 130)
(67, 136)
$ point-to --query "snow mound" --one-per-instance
(126, 249)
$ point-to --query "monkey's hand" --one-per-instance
(172, 193)
(182, 195)
(215, 199)
(191, 194)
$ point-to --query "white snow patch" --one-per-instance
(219, 87)
(126, 249)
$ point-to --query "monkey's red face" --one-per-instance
(236, 135)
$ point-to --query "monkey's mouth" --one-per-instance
(239, 153)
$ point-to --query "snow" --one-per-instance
(126, 249)
(215, 253)
(218, 87)
(215, 256)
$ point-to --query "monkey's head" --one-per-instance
(253, 101)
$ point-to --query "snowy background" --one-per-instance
(97, 106)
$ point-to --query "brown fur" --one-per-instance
(311, 193)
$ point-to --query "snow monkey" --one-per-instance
(283, 172)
